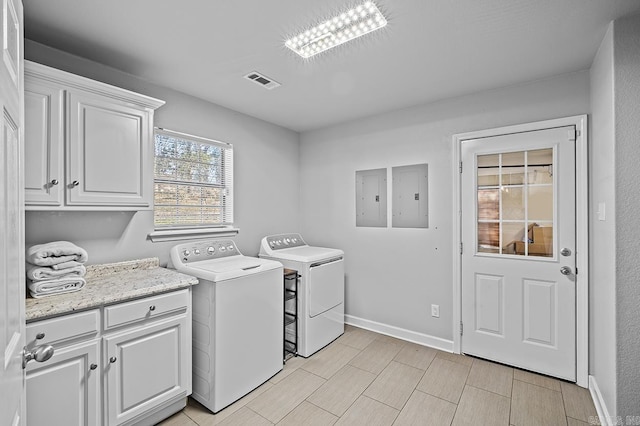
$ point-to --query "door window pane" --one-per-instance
(515, 203)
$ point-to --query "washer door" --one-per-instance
(326, 286)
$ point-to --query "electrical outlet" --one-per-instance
(435, 311)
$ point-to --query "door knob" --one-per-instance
(40, 353)
(565, 270)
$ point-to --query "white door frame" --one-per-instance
(582, 232)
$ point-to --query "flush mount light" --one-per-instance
(351, 24)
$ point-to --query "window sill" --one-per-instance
(191, 234)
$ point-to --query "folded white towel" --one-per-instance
(40, 289)
(39, 273)
(55, 253)
(66, 265)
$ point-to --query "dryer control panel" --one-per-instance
(283, 241)
(203, 250)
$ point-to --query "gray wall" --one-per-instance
(602, 233)
(626, 55)
(265, 165)
(394, 275)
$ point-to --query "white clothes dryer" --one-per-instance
(237, 320)
(320, 288)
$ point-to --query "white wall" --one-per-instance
(394, 275)
(602, 238)
(627, 213)
(266, 196)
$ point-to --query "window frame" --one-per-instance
(179, 230)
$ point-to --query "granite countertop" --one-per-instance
(108, 284)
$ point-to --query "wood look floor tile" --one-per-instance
(577, 402)
(308, 414)
(356, 337)
(481, 407)
(415, 355)
(178, 419)
(574, 422)
(390, 339)
(341, 390)
(490, 376)
(245, 417)
(375, 357)
(536, 405)
(424, 409)
(203, 417)
(460, 359)
(536, 379)
(289, 367)
(275, 403)
(444, 379)
(329, 360)
(368, 412)
(395, 384)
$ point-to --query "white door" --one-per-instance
(518, 261)
(12, 280)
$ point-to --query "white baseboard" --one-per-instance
(601, 407)
(401, 333)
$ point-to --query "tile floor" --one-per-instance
(364, 378)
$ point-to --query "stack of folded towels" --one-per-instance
(55, 268)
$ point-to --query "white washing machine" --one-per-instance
(320, 289)
(237, 320)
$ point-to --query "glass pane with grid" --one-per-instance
(515, 203)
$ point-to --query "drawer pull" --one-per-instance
(39, 336)
(93, 366)
(152, 307)
(113, 359)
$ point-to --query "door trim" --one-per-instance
(582, 231)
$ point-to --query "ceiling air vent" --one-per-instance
(262, 80)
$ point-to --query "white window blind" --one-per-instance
(193, 181)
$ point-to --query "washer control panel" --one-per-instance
(203, 250)
(283, 241)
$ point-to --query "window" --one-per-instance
(193, 181)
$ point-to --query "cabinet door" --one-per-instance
(146, 367)
(44, 136)
(65, 390)
(109, 153)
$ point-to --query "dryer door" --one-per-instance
(326, 286)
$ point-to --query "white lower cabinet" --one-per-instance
(65, 390)
(145, 368)
(135, 369)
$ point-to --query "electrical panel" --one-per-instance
(371, 198)
(410, 196)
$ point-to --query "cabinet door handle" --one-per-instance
(93, 366)
(75, 183)
(152, 307)
(54, 182)
(112, 359)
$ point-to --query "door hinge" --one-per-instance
(461, 167)
(576, 270)
(461, 248)
(461, 328)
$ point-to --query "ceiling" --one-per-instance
(430, 49)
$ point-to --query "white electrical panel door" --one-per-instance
(371, 198)
(410, 196)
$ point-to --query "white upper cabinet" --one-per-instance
(88, 145)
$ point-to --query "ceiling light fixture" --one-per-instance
(347, 26)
